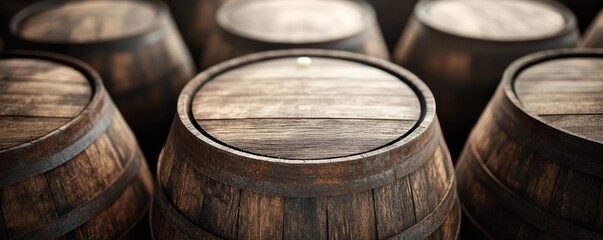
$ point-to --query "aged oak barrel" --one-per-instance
(70, 167)
(533, 166)
(299, 144)
(135, 47)
(461, 48)
(259, 25)
(593, 38)
(196, 20)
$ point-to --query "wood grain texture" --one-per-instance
(593, 37)
(566, 93)
(253, 26)
(311, 112)
(133, 45)
(543, 187)
(293, 21)
(464, 69)
(417, 202)
(100, 193)
(37, 97)
(498, 20)
(89, 21)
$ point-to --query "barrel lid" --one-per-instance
(300, 107)
(38, 96)
(505, 20)
(294, 21)
(85, 21)
(565, 92)
(52, 107)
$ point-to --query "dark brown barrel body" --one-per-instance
(393, 16)
(461, 52)
(593, 38)
(260, 25)
(532, 168)
(69, 165)
(307, 162)
(135, 47)
(196, 20)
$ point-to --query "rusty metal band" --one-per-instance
(233, 169)
(177, 220)
(553, 144)
(89, 210)
(59, 147)
(430, 223)
(525, 210)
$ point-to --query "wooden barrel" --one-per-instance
(135, 47)
(69, 165)
(298, 144)
(461, 48)
(259, 25)
(532, 167)
(393, 16)
(593, 38)
(195, 20)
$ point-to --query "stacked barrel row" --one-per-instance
(300, 143)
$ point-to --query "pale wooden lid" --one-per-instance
(283, 109)
(293, 21)
(504, 20)
(88, 21)
(37, 97)
(566, 93)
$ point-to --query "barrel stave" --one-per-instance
(377, 214)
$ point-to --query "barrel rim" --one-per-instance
(424, 95)
(516, 68)
(17, 20)
(571, 25)
(226, 27)
(86, 71)
(29, 159)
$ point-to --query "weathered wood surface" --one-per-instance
(330, 109)
(461, 49)
(525, 175)
(37, 97)
(399, 184)
(70, 168)
(259, 25)
(89, 22)
(593, 37)
(133, 45)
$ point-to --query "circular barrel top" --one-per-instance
(566, 93)
(506, 20)
(37, 97)
(86, 21)
(294, 21)
(306, 108)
